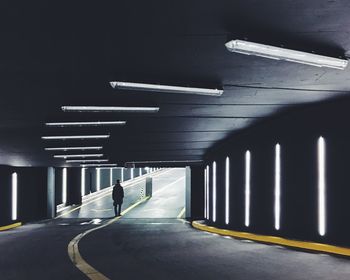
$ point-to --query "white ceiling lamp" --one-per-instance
(97, 123)
(119, 109)
(78, 156)
(73, 148)
(163, 161)
(86, 160)
(167, 89)
(67, 137)
(250, 48)
(99, 165)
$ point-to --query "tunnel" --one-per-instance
(174, 139)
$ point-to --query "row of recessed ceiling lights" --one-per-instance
(238, 46)
(97, 162)
(86, 159)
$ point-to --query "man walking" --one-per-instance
(118, 195)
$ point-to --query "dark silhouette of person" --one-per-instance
(118, 195)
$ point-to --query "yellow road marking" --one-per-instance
(104, 195)
(319, 247)
(7, 227)
(77, 259)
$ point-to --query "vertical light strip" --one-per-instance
(277, 186)
(132, 173)
(64, 185)
(111, 176)
(214, 191)
(98, 179)
(227, 191)
(321, 153)
(82, 181)
(205, 193)
(14, 190)
(122, 171)
(140, 171)
(247, 188)
(208, 194)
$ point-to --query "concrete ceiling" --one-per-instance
(65, 54)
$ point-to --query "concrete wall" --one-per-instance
(31, 194)
(297, 132)
(197, 192)
(33, 189)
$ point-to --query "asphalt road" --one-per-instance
(155, 247)
(168, 197)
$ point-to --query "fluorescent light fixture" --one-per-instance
(140, 171)
(98, 179)
(167, 89)
(104, 136)
(227, 191)
(14, 194)
(83, 181)
(99, 165)
(277, 186)
(321, 164)
(111, 176)
(122, 175)
(132, 173)
(214, 191)
(86, 160)
(64, 185)
(247, 189)
(163, 162)
(97, 123)
(78, 156)
(205, 193)
(250, 48)
(74, 148)
(208, 194)
(120, 109)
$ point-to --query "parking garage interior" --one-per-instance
(225, 123)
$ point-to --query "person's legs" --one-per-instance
(116, 210)
(119, 209)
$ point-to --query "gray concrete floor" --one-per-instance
(147, 244)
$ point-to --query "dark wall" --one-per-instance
(197, 192)
(32, 189)
(5, 195)
(32, 194)
(297, 131)
(73, 186)
(58, 185)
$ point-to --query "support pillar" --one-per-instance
(188, 192)
(149, 186)
(51, 205)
